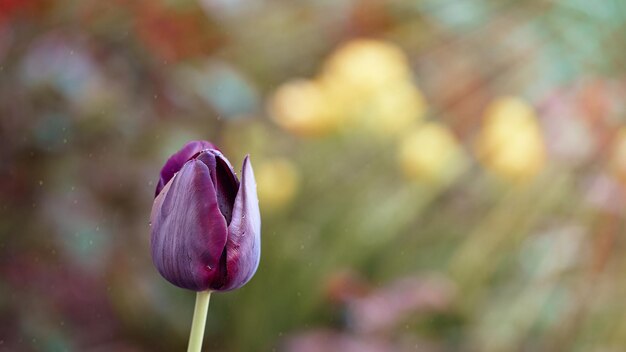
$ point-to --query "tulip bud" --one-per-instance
(206, 224)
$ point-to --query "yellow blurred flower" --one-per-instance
(363, 84)
(430, 153)
(363, 65)
(511, 143)
(370, 82)
(618, 156)
(302, 107)
(394, 110)
(277, 182)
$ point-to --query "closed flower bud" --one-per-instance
(206, 225)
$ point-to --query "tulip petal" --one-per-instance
(188, 231)
(227, 187)
(243, 248)
(224, 180)
(176, 161)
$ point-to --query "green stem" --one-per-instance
(199, 320)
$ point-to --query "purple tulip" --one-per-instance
(206, 226)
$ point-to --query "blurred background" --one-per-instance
(433, 175)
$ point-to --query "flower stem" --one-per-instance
(198, 322)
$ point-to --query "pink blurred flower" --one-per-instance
(327, 340)
(569, 138)
(384, 308)
(322, 340)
